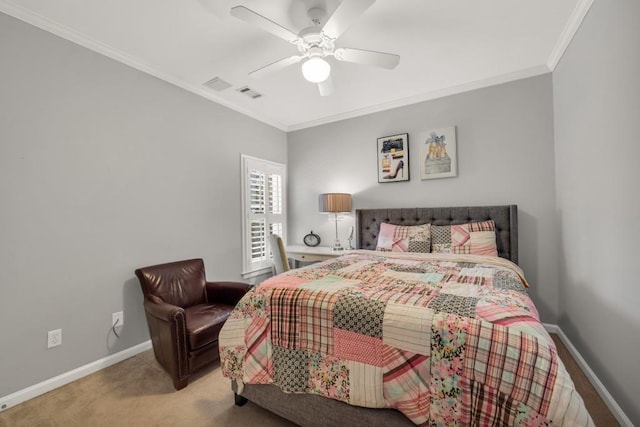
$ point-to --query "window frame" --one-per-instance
(251, 268)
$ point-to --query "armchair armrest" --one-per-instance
(226, 292)
(168, 334)
(162, 310)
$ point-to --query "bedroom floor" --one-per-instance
(137, 392)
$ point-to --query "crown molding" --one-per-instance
(73, 36)
(575, 20)
(427, 96)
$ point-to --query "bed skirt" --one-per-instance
(310, 410)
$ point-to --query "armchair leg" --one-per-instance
(239, 400)
(180, 384)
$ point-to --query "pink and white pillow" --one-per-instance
(477, 238)
(404, 238)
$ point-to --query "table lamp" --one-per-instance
(335, 203)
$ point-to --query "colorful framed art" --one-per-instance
(438, 153)
(393, 158)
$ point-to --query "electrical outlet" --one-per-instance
(117, 319)
(54, 338)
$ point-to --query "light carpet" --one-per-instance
(137, 392)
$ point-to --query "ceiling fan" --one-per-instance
(316, 42)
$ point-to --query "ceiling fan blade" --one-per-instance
(251, 17)
(368, 57)
(275, 66)
(344, 15)
(326, 87)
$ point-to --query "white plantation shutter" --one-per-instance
(257, 208)
(275, 193)
(258, 189)
(258, 245)
(263, 211)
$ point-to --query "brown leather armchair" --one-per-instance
(185, 314)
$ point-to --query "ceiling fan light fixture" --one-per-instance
(316, 69)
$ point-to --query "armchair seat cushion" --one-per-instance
(203, 323)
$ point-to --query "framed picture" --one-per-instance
(438, 156)
(393, 158)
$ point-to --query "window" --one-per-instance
(263, 211)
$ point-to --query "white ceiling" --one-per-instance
(446, 46)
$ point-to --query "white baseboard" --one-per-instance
(20, 396)
(35, 390)
(602, 391)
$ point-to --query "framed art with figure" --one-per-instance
(438, 156)
(393, 158)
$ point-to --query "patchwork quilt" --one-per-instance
(447, 339)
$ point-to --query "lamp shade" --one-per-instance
(335, 202)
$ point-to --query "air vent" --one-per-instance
(249, 92)
(217, 84)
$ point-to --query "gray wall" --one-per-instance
(505, 155)
(597, 121)
(104, 169)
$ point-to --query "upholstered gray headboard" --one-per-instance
(506, 219)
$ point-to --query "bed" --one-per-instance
(388, 338)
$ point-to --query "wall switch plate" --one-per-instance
(54, 338)
(117, 319)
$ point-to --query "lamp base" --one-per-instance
(337, 246)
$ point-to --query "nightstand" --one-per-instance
(311, 254)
